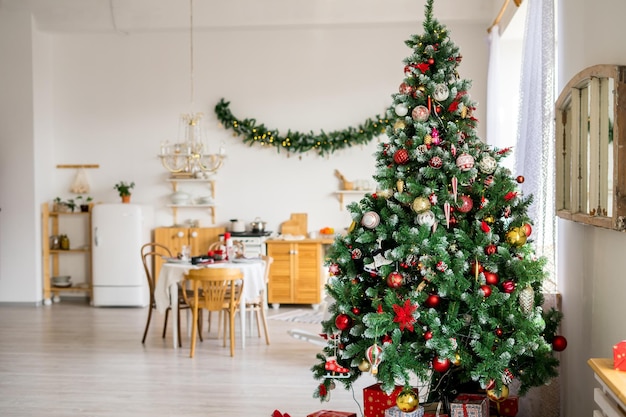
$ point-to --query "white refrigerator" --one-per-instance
(118, 232)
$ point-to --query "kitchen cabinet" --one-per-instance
(53, 224)
(193, 202)
(611, 397)
(174, 238)
(296, 276)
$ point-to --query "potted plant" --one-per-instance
(58, 205)
(83, 202)
(123, 188)
(71, 204)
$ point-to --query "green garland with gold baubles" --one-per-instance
(323, 143)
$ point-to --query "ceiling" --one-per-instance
(76, 16)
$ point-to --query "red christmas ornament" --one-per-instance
(486, 289)
(394, 279)
(559, 343)
(466, 204)
(431, 61)
(527, 229)
(520, 179)
(428, 335)
(499, 332)
(401, 156)
(405, 89)
(491, 278)
(441, 365)
(356, 311)
(435, 162)
(432, 301)
(343, 322)
(485, 227)
(334, 269)
(476, 268)
(508, 287)
(491, 249)
(387, 339)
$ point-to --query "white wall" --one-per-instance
(591, 260)
(19, 215)
(111, 99)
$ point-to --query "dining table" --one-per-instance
(173, 273)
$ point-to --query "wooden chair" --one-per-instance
(214, 289)
(258, 305)
(148, 252)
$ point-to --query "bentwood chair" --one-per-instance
(213, 289)
(149, 252)
(258, 305)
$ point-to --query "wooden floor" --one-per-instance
(70, 359)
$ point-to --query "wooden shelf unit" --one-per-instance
(51, 257)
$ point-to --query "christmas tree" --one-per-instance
(436, 279)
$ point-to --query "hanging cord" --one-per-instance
(113, 22)
(191, 95)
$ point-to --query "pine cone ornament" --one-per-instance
(527, 299)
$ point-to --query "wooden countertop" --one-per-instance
(323, 240)
(614, 379)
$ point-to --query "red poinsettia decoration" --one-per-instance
(423, 66)
(510, 195)
(404, 315)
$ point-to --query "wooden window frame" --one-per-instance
(590, 178)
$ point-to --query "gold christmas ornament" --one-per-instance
(516, 236)
(399, 125)
(407, 400)
(428, 139)
(364, 366)
(457, 359)
(400, 185)
(489, 219)
(421, 204)
(493, 394)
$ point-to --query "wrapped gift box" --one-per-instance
(330, 413)
(470, 405)
(619, 356)
(505, 408)
(376, 401)
(396, 412)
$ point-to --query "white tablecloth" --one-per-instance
(166, 290)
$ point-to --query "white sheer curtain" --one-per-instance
(534, 152)
(534, 157)
(494, 138)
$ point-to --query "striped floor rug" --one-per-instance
(299, 316)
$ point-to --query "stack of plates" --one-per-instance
(62, 281)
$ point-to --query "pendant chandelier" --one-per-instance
(189, 156)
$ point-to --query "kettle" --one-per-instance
(237, 226)
(258, 226)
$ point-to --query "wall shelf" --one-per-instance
(193, 181)
(342, 193)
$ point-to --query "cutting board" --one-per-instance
(297, 225)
